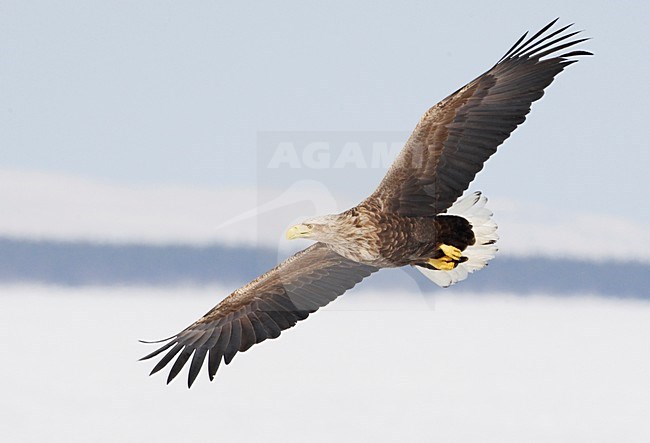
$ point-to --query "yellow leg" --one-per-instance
(448, 261)
(451, 251)
(443, 263)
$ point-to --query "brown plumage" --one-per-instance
(411, 219)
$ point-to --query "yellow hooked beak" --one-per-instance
(298, 231)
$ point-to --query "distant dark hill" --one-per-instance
(76, 264)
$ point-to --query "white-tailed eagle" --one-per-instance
(415, 217)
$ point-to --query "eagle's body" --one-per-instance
(385, 240)
(415, 217)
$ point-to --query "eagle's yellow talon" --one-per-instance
(451, 251)
(442, 264)
(448, 261)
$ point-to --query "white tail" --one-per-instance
(473, 209)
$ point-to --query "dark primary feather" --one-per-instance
(262, 309)
(455, 137)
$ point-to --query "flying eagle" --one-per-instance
(415, 217)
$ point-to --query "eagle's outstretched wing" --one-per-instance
(269, 304)
(455, 137)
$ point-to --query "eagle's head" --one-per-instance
(323, 228)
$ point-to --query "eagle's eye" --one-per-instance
(310, 226)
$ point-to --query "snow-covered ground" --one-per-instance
(370, 367)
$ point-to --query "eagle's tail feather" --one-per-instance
(473, 209)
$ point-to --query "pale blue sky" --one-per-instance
(177, 92)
